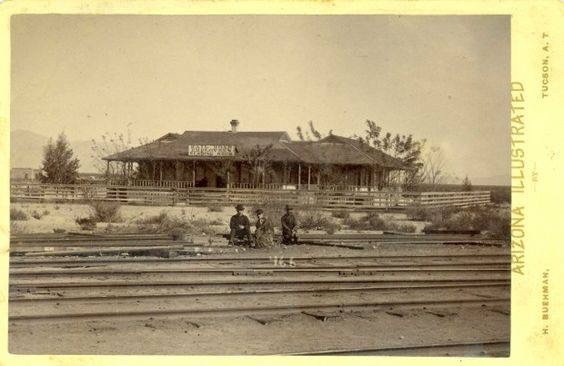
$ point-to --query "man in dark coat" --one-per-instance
(289, 227)
(240, 227)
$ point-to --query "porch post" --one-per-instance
(193, 173)
(299, 175)
(154, 164)
(284, 179)
(308, 176)
(160, 170)
(318, 177)
(177, 170)
(107, 169)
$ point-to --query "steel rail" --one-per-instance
(339, 270)
(230, 258)
(403, 349)
(254, 310)
(255, 292)
(390, 265)
(269, 281)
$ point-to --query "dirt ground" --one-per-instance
(266, 334)
(63, 215)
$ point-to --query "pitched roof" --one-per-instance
(172, 146)
(378, 156)
(330, 150)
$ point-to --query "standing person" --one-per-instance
(240, 227)
(264, 233)
(289, 227)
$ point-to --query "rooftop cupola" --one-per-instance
(234, 124)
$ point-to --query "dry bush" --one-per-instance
(316, 220)
(331, 227)
(36, 215)
(401, 227)
(106, 211)
(341, 214)
(18, 215)
(372, 221)
(432, 214)
(86, 223)
(163, 223)
(495, 222)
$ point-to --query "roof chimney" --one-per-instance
(234, 123)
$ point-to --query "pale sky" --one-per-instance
(443, 78)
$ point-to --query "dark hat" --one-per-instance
(239, 207)
(288, 207)
(259, 211)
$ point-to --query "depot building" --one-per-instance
(254, 159)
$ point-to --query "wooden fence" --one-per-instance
(146, 195)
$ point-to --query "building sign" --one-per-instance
(211, 150)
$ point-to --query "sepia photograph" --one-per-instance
(260, 185)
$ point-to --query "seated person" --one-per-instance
(264, 233)
(289, 227)
(240, 228)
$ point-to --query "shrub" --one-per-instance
(341, 214)
(46, 212)
(163, 223)
(59, 231)
(372, 221)
(401, 227)
(495, 222)
(106, 211)
(417, 212)
(312, 220)
(315, 220)
(86, 223)
(332, 227)
(36, 215)
(433, 214)
(153, 220)
(18, 215)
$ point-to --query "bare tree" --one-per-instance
(222, 168)
(109, 144)
(434, 167)
(259, 161)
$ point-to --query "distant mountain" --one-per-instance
(26, 150)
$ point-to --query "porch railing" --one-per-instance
(151, 195)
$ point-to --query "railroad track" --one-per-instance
(69, 288)
(491, 348)
(212, 311)
(56, 295)
(14, 261)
